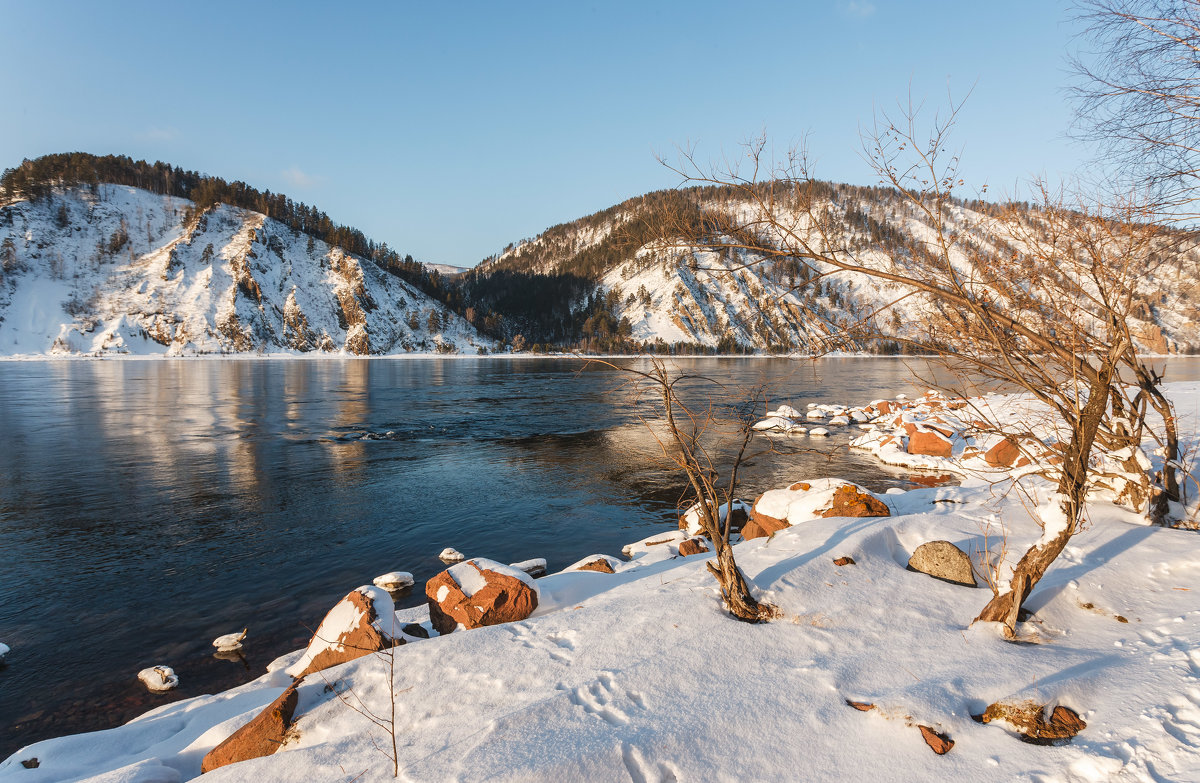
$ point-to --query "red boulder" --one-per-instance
(262, 736)
(475, 596)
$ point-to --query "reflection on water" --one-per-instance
(147, 507)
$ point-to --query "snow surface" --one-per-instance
(642, 675)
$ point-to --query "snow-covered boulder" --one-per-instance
(599, 563)
(479, 592)
(262, 736)
(657, 546)
(818, 432)
(534, 566)
(451, 555)
(359, 624)
(159, 678)
(807, 500)
(394, 581)
(689, 521)
(928, 441)
(230, 642)
(778, 424)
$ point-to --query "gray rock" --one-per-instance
(943, 560)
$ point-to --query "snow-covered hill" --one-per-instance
(729, 297)
(118, 271)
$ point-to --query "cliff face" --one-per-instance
(116, 270)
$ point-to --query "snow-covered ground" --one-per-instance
(117, 272)
(640, 675)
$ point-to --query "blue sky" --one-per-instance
(449, 130)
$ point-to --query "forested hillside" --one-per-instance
(105, 253)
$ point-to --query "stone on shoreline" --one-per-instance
(350, 630)
(477, 593)
(262, 736)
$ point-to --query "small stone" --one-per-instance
(159, 678)
(938, 742)
(844, 561)
(32, 763)
(451, 555)
(1067, 720)
(394, 581)
(692, 546)
(415, 629)
(535, 567)
(943, 560)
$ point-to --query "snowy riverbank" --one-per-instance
(640, 674)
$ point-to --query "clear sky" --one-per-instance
(449, 130)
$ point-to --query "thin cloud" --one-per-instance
(860, 9)
(298, 178)
(156, 133)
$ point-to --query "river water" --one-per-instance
(148, 506)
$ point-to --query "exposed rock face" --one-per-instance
(943, 560)
(1003, 454)
(477, 596)
(938, 742)
(762, 525)
(692, 546)
(1027, 717)
(849, 501)
(348, 631)
(929, 442)
(262, 736)
(599, 564)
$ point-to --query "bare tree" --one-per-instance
(1048, 316)
(686, 446)
(1138, 96)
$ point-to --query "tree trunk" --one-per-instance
(1168, 480)
(734, 589)
(1072, 487)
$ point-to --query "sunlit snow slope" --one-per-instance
(116, 271)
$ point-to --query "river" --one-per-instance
(148, 506)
